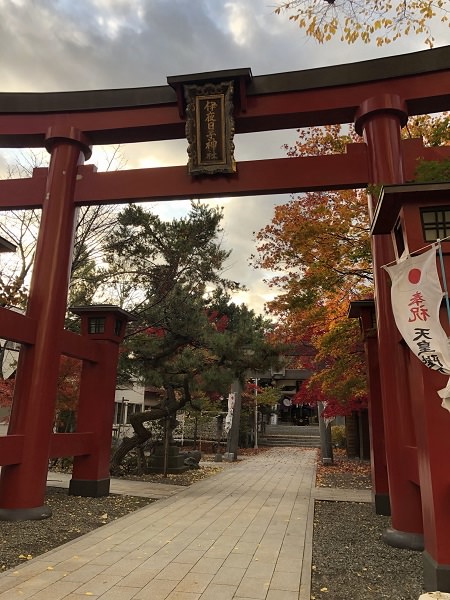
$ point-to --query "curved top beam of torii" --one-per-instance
(280, 101)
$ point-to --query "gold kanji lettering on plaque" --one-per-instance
(210, 128)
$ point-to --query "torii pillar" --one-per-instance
(415, 214)
(22, 485)
(379, 119)
(364, 310)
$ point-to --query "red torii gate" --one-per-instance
(378, 96)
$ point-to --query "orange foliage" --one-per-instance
(318, 247)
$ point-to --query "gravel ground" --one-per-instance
(350, 561)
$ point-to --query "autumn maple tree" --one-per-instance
(319, 245)
(318, 248)
(379, 21)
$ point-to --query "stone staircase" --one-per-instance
(290, 435)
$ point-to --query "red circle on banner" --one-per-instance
(414, 275)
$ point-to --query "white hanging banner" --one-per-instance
(229, 417)
(416, 296)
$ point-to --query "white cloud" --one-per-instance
(238, 22)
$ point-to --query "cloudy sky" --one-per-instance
(60, 45)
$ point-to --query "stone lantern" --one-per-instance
(103, 321)
(103, 327)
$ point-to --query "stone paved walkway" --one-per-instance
(244, 533)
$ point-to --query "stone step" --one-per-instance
(270, 444)
(263, 444)
(297, 430)
(280, 440)
(305, 436)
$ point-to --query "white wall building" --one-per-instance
(128, 400)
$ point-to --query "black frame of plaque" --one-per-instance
(210, 128)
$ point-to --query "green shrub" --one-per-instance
(338, 436)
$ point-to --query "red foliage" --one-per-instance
(312, 394)
(155, 331)
(67, 393)
(248, 394)
(68, 383)
(308, 394)
(6, 391)
(219, 322)
(333, 408)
